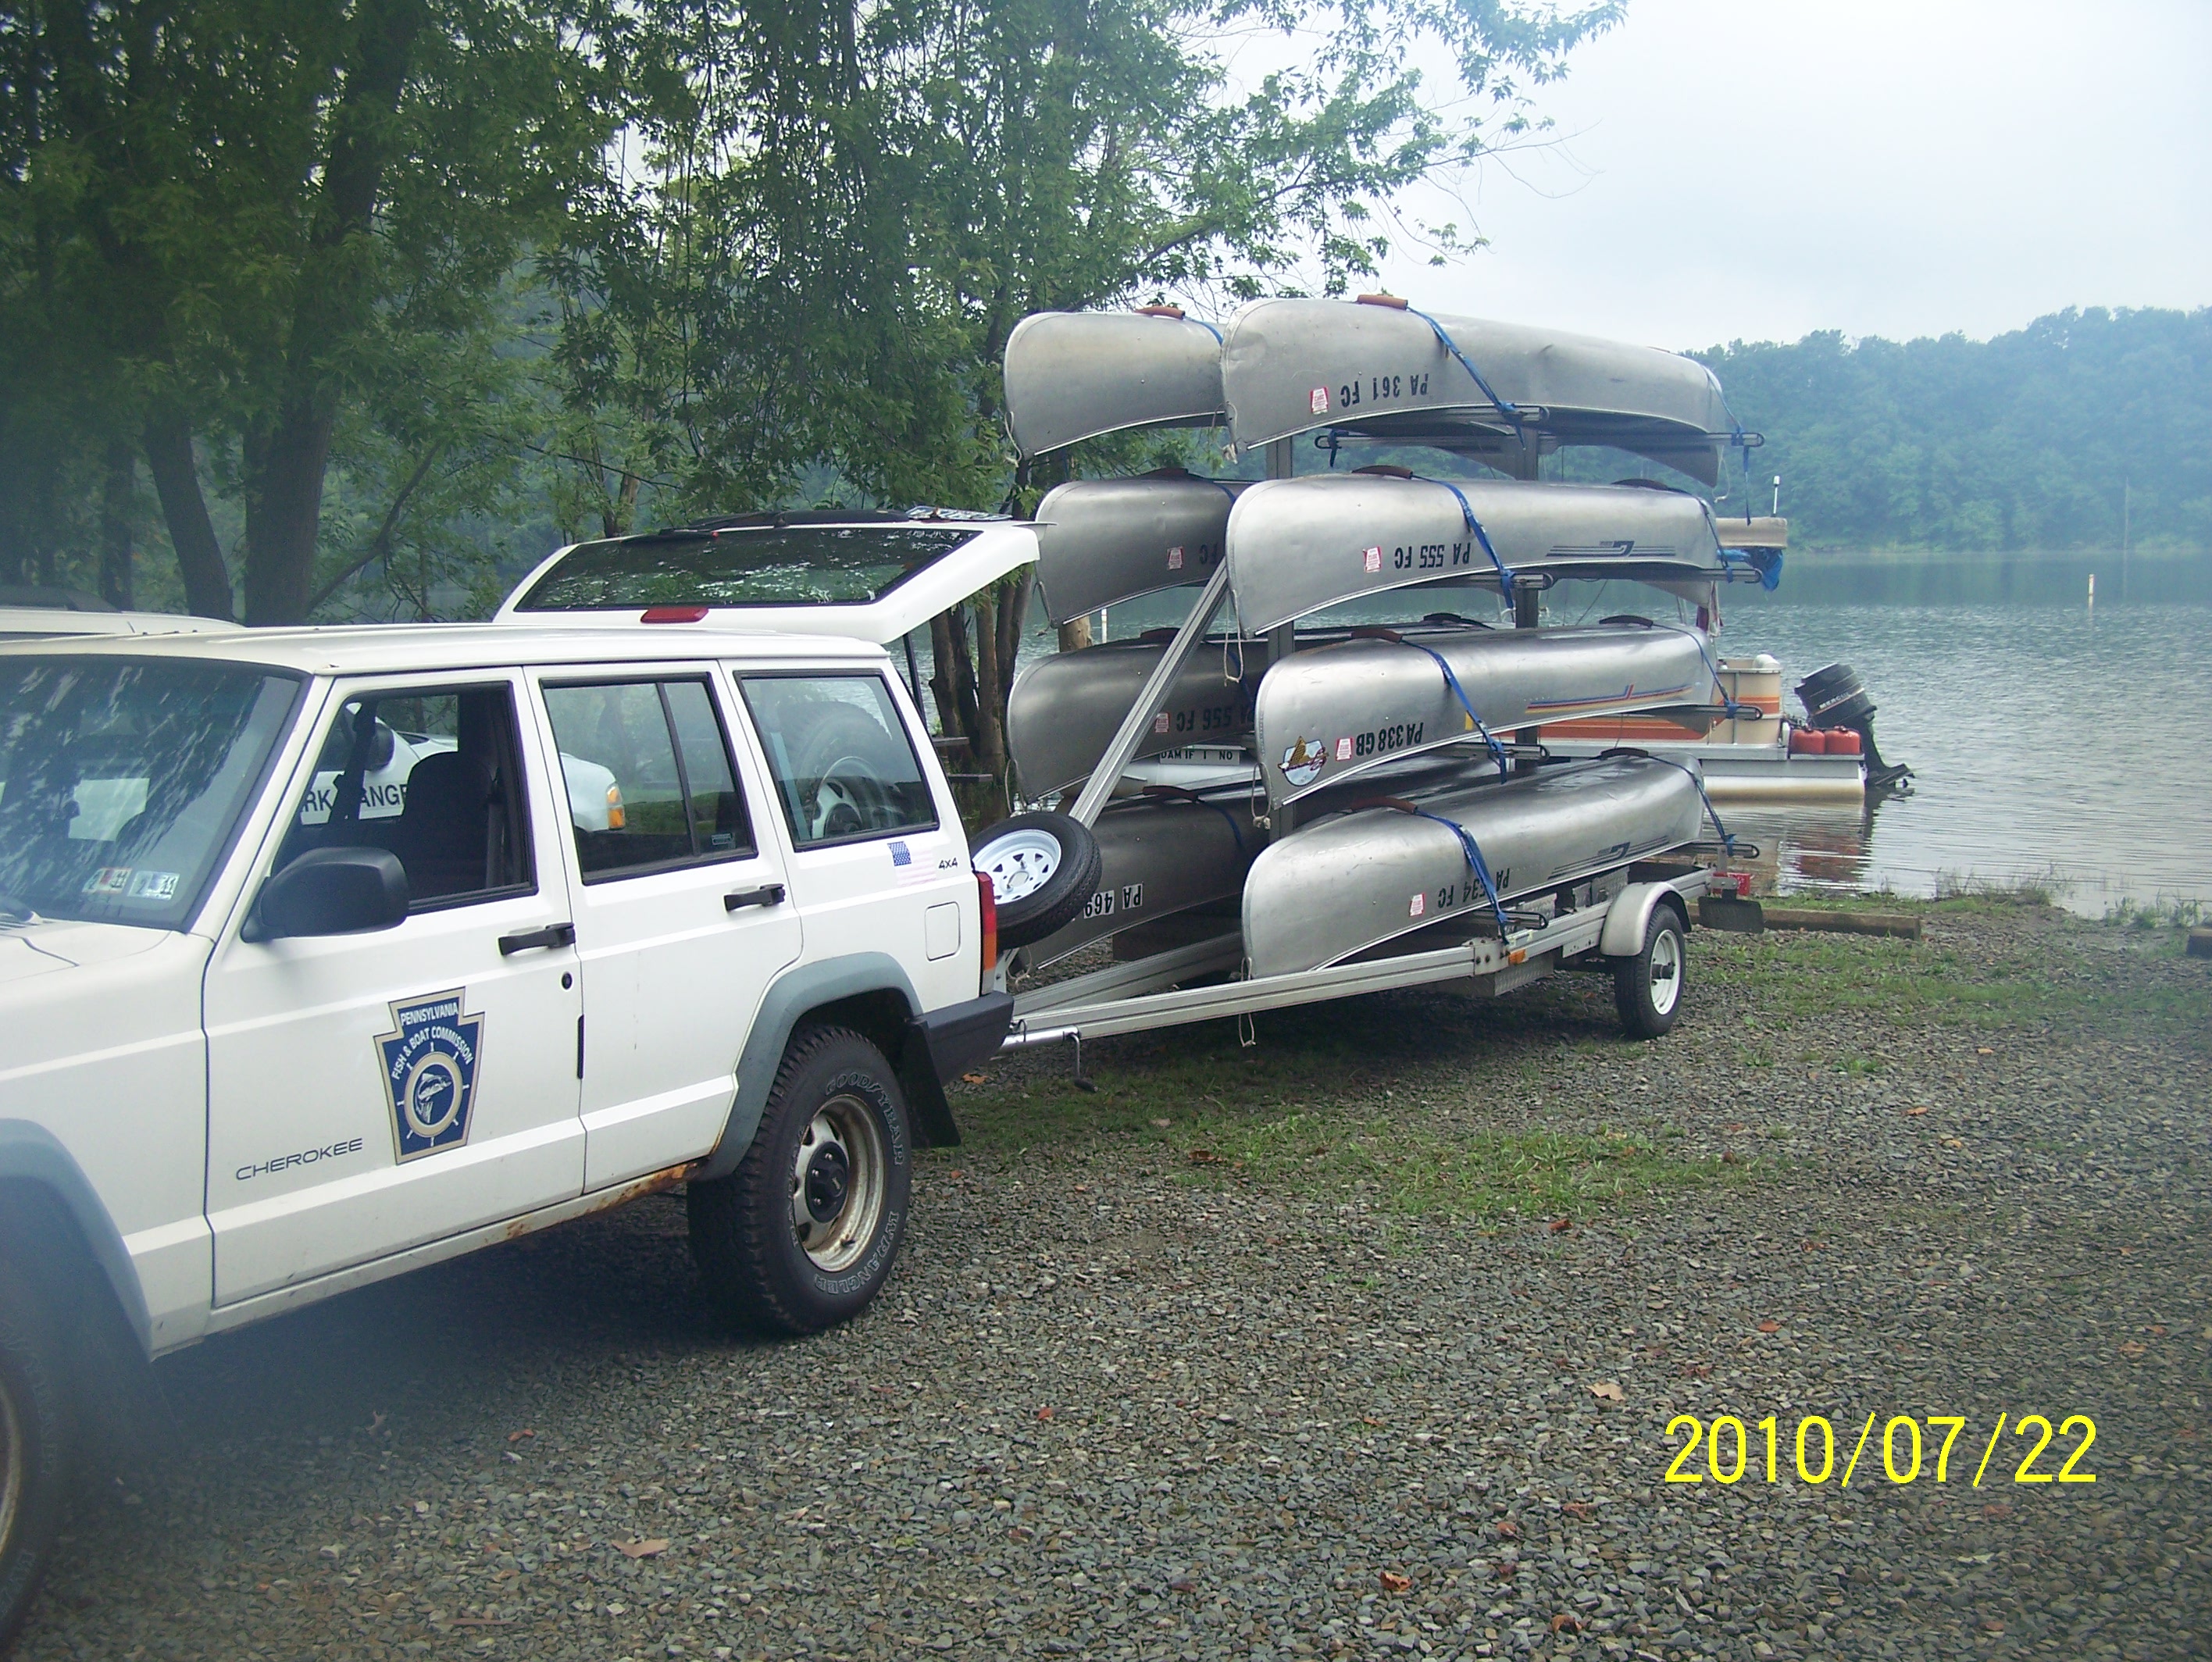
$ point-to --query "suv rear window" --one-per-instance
(650, 783)
(840, 758)
(749, 566)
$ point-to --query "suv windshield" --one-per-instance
(121, 780)
(748, 566)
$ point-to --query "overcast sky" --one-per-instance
(1758, 169)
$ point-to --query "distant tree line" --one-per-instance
(2042, 439)
(325, 308)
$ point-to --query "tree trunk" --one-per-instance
(1013, 617)
(177, 481)
(990, 733)
(285, 468)
(287, 459)
(115, 526)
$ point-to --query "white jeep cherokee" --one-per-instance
(328, 953)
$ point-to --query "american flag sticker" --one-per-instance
(1320, 401)
(1372, 558)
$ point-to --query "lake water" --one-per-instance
(2053, 742)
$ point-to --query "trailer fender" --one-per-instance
(1630, 915)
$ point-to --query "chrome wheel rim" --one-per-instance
(1018, 863)
(1666, 970)
(11, 1466)
(838, 1176)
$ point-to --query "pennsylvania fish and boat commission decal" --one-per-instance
(430, 1060)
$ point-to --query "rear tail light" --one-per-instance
(674, 615)
(989, 902)
(617, 820)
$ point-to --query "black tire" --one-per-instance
(745, 1233)
(1044, 867)
(37, 1438)
(1649, 987)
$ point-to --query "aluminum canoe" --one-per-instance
(1341, 711)
(1297, 545)
(1103, 541)
(1343, 884)
(1064, 710)
(1160, 853)
(1297, 365)
(1073, 375)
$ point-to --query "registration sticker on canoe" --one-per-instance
(1420, 905)
(1163, 723)
(1174, 558)
(1344, 749)
(1320, 404)
(1372, 559)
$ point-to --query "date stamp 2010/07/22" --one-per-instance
(1730, 1450)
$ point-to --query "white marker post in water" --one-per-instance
(2092, 592)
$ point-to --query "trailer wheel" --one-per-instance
(1044, 869)
(1649, 987)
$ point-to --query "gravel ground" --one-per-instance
(1119, 1403)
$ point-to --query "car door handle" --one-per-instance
(765, 894)
(551, 935)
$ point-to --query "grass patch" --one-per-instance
(1802, 977)
(2162, 913)
(1340, 1103)
(1985, 894)
(1419, 1169)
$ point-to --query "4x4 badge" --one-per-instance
(430, 1060)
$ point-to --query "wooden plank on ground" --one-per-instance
(1905, 925)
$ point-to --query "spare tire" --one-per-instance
(1044, 869)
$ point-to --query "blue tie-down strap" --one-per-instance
(1467, 844)
(1733, 710)
(1728, 842)
(1474, 529)
(1504, 407)
(1497, 750)
(1476, 863)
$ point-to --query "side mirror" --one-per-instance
(331, 891)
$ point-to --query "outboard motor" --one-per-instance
(1834, 697)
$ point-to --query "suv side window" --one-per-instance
(840, 756)
(432, 774)
(649, 779)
